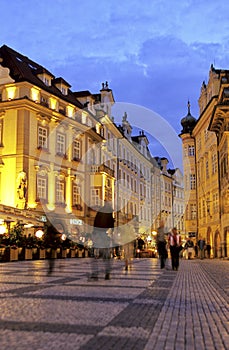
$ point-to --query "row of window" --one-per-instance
(60, 192)
(60, 143)
(205, 209)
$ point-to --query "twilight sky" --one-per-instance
(154, 54)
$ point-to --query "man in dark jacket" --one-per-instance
(103, 224)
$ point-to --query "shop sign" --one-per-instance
(76, 222)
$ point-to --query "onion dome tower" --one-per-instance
(189, 167)
(188, 122)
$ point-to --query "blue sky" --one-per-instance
(154, 54)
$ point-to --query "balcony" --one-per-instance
(101, 169)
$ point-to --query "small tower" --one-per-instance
(188, 122)
(188, 145)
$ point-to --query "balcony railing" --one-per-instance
(101, 169)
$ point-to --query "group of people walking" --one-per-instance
(173, 239)
(103, 243)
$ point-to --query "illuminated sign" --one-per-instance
(76, 222)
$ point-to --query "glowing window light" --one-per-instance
(70, 111)
(11, 92)
(53, 103)
(35, 94)
(84, 118)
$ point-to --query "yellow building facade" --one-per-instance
(62, 156)
(205, 151)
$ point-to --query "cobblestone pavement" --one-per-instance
(144, 308)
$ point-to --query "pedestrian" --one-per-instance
(128, 238)
(139, 247)
(189, 246)
(208, 249)
(201, 246)
(102, 239)
(141, 243)
(175, 248)
(161, 240)
(196, 250)
(52, 241)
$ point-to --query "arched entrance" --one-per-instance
(226, 241)
(217, 247)
(208, 240)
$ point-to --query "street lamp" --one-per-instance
(39, 233)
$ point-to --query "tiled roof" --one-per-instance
(23, 69)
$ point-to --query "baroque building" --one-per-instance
(205, 159)
(62, 156)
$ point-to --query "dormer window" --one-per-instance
(64, 90)
(47, 81)
(45, 76)
(62, 85)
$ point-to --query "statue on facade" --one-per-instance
(21, 190)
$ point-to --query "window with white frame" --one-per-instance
(76, 195)
(76, 150)
(60, 143)
(42, 137)
(47, 81)
(193, 211)
(41, 188)
(191, 150)
(95, 197)
(192, 181)
(60, 191)
(63, 90)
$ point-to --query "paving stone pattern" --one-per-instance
(145, 308)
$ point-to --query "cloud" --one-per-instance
(153, 53)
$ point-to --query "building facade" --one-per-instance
(62, 156)
(205, 158)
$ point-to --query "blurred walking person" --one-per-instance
(52, 241)
(102, 240)
(175, 248)
(201, 246)
(128, 237)
(161, 240)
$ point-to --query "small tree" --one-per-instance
(16, 234)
